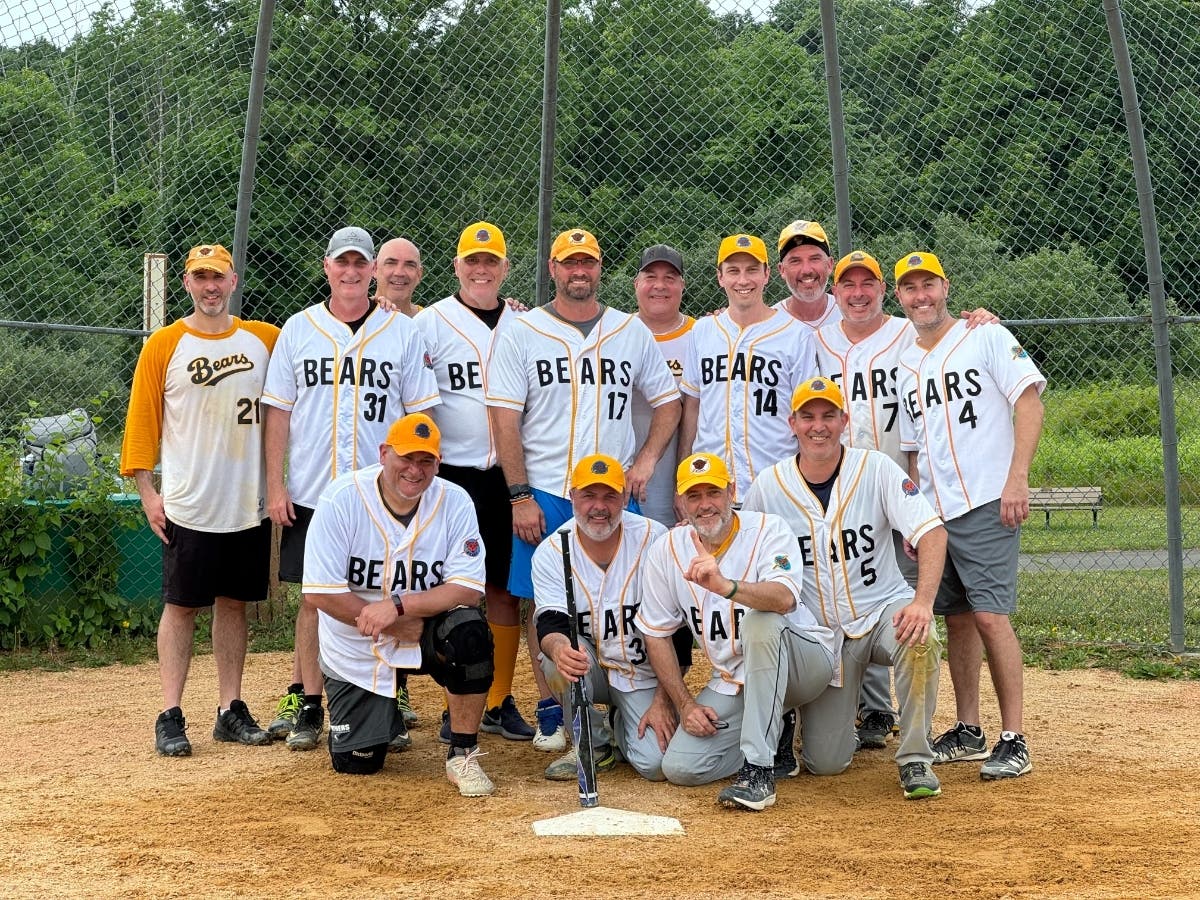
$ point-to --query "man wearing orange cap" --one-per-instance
(971, 420)
(711, 575)
(460, 332)
(560, 386)
(842, 503)
(744, 364)
(607, 544)
(195, 405)
(860, 351)
(395, 570)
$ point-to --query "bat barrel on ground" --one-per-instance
(581, 730)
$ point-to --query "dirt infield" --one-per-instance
(1112, 809)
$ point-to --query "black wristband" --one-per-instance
(519, 490)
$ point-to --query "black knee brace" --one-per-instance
(364, 761)
(458, 646)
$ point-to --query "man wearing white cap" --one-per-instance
(341, 372)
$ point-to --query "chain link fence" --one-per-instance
(991, 133)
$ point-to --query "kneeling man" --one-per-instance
(842, 503)
(719, 574)
(395, 567)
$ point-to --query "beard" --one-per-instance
(597, 530)
(714, 532)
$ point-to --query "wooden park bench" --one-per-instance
(1048, 499)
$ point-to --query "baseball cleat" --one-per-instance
(918, 781)
(444, 730)
(786, 764)
(237, 725)
(404, 704)
(170, 734)
(961, 743)
(753, 788)
(1009, 758)
(551, 736)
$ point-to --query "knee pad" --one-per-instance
(460, 646)
(364, 761)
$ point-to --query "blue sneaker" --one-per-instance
(505, 720)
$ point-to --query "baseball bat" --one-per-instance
(581, 731)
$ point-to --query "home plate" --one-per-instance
(600, 821)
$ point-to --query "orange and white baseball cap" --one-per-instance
(919, 262)
(415, 433)
(212, 257)
(573, 241)
(819, 388)
(598, 469)
(701, 468)
(857, 259)
(482, 237)
(742, 243)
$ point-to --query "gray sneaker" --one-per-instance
(959, 744)
(285, 716)
(306, 733)
(170, 734)
(753, 788)
(237, 726)
(918, 781)
(402, 741)
(1009, 758)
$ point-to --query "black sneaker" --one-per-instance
(307, 730)
(444, 731)
(959, 744)
(1009, 758)
(874, 729)
(237, 726)
(786, 764)
(170, 737)
(753, 788)
(505, 720)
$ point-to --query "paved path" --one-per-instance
(1104, 560)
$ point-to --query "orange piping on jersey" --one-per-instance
(844, 497)
(949, 424)
(683, 329)
(308, 314)
(492, 456)
(818, 557)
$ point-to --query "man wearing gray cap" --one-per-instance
(658, 287)
(342, 372)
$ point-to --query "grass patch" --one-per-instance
(1118, 528)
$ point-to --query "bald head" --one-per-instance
(399, 273)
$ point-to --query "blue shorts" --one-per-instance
(556, 510)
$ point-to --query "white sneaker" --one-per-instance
(466, 774)
(554, 742)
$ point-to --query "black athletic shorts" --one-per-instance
(199, 566)
(291, 546)
(358, 718)
(489, 492)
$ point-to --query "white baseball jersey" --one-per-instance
(849, 559)
(606, 600)
(744, 378)
(459, 345)
(676, 346)
(866, 372)
(575, 391)
(195, 399)
(958, 413)
(762, 548)
(354, 544)
(344, 389)
(833, 313)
